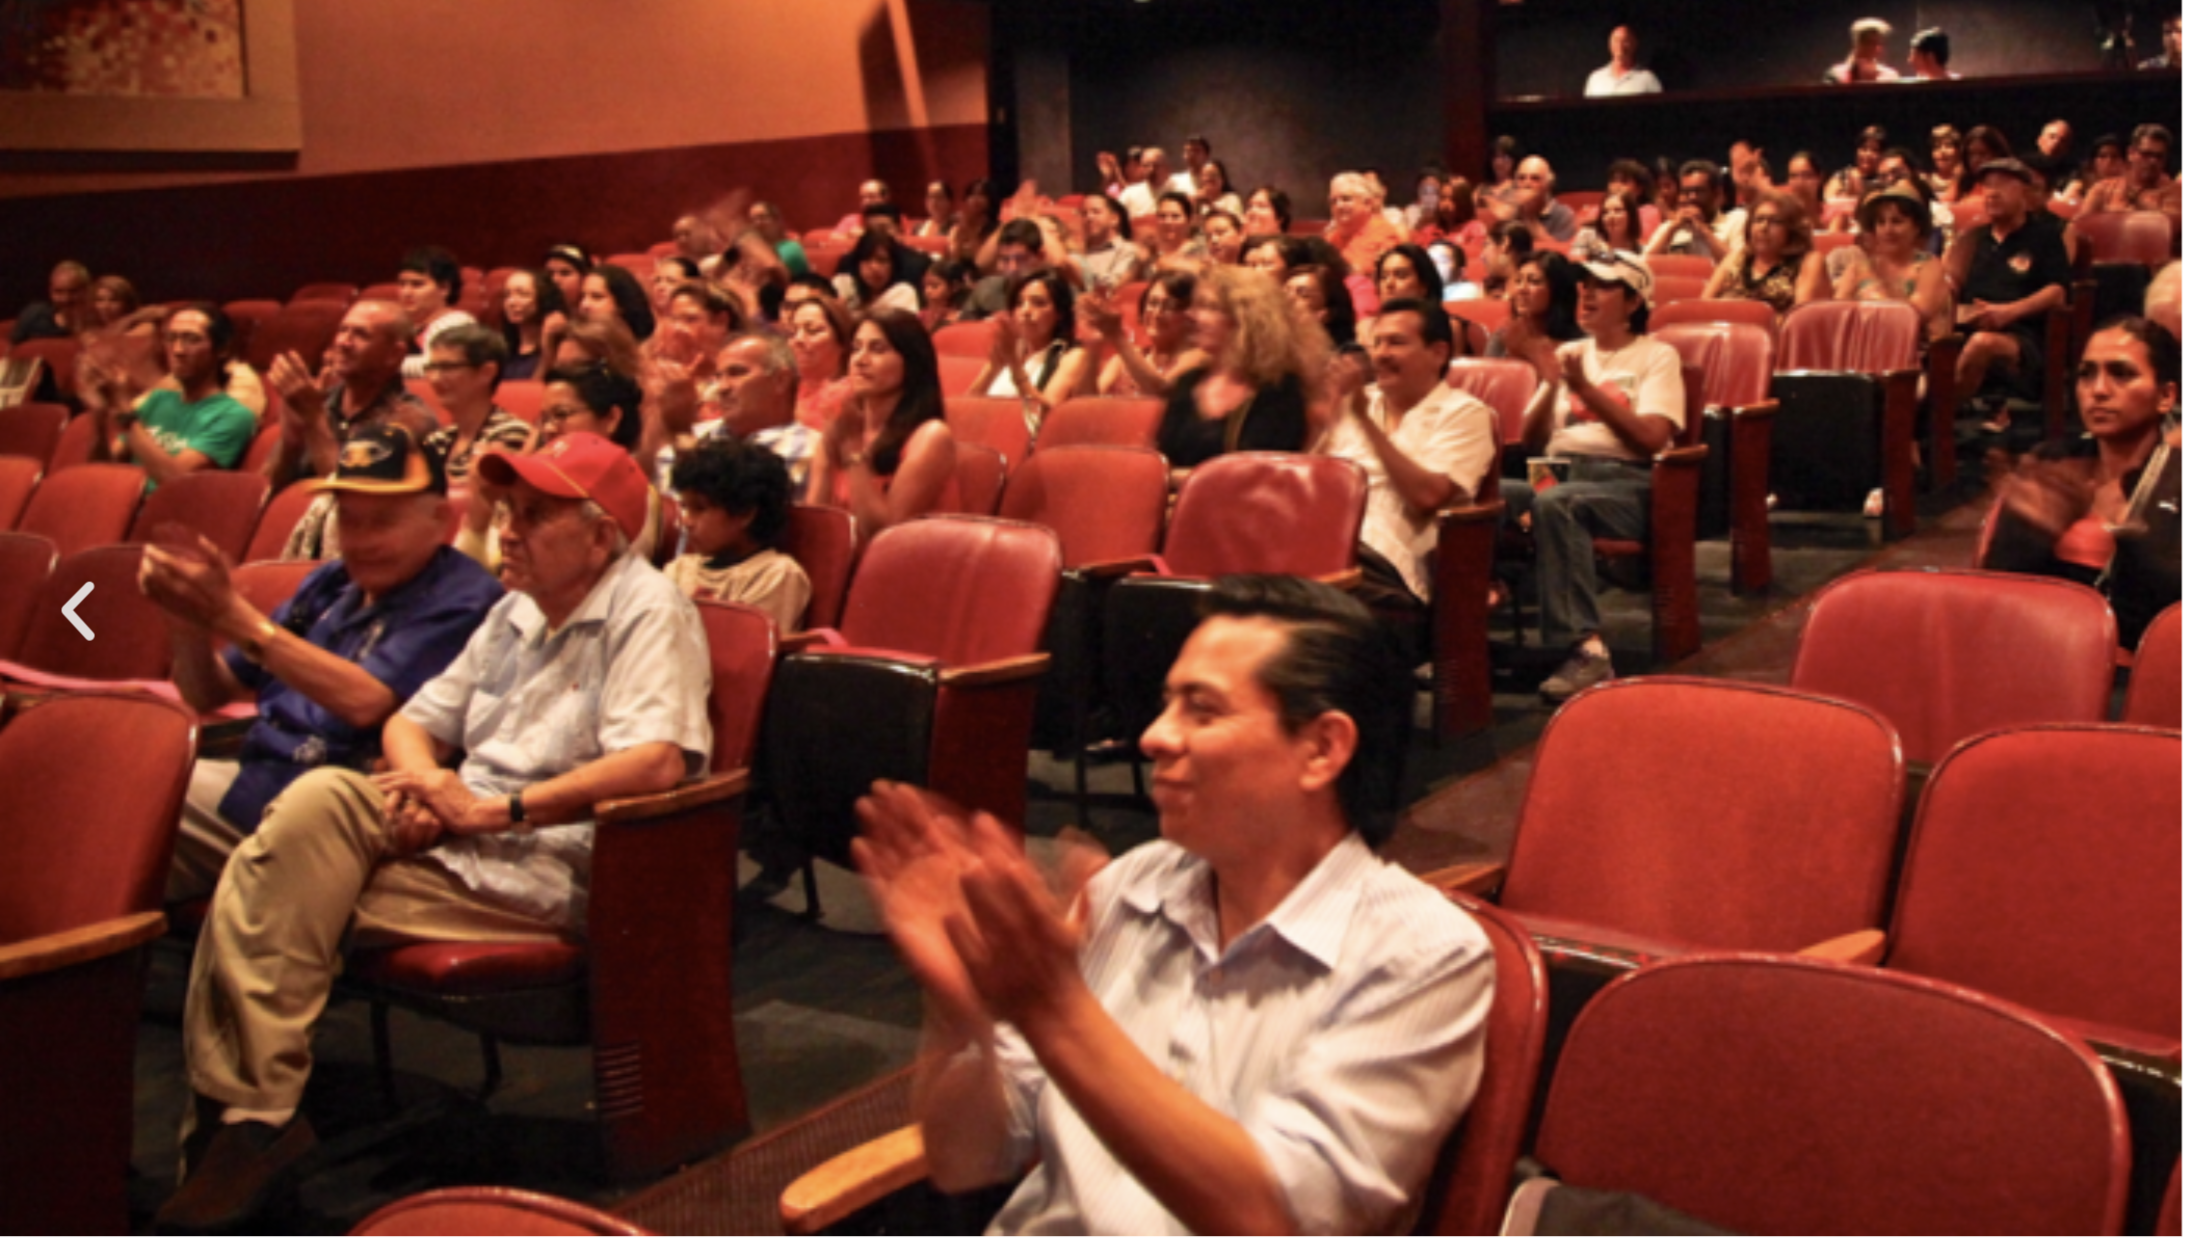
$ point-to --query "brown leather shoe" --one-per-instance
(246, 1167)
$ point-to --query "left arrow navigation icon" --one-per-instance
(69, 610)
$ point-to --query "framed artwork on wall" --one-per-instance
(138, 79)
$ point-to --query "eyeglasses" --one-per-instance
(563, 413)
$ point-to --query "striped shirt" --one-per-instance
(1344, 1033)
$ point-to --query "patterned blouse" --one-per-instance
(1778, 286)
(500, 430)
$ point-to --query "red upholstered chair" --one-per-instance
(996, 422)
(422, 389)
(972, 339)
(1672, 288)
(222, 505)
(325, 291)
(32, 430)
(521, 398)
(1465, 1191)
(980, 474)
(1734, 360)
(1775, 1095)
(266, 442)
(1667, 816)
(84, 506)
(489, 1212)
(1106, 505)
(1240, 513)
(2152, 696)
(385, 291)
(824, 541)
(303, 327)
(18, 479)
(2082, 925)
(249, 315)
(1120, 422)
(1848, 384)
(1947, 654)
(82, 866)
(78, 439)
(131, 634)
(2142, 237)
(1489, 313)
(958, 374)
(279, 518)
(26, 562)
(929, 679)
(2167, 1220)
(1826, 244)
(1675, 266)
(1712, 310)
(649, 989)
(1970, 212)
(58, 356)
(1506, 384)
(665, 543)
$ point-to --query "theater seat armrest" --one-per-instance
(78, 945)
(1468, 515)
(997, 672)
(852, 1181)
(805, 640)
(1861, 948)
(1687, 457)
(1901, 375)
(1115, 569)
(1478, 879)
(1758, 410)
(702, 791)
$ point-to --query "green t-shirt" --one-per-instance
(218, 426)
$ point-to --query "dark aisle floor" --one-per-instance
(823, 1009)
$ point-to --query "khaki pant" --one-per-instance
(321, 862)
(204, 838)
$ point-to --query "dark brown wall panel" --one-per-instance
(265, 238)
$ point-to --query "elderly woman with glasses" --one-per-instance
(1776, 263)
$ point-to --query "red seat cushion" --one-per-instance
(472, 967)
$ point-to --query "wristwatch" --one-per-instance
(516, 810)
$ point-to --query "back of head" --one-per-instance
(1338, 659)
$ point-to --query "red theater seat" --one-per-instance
(1848, 387)
(249, 315)
(930, 680)
(325, 291)
(222, 505)
(1734, 362)
(130, 642)
(304, 327)
(18, 479)
(996, 422)
(974, 339)
(1947, 654)
(2152, 697)
(980, 473)
(1780, 1096)
(1118, 422)
(26, 562)
(84, 506)
(32, 430)
(650, 988)
(1712, 310)
(278, 520)
(82, 865)
(2082, 925)
(78, 440)
(824, 541)
(491, 1212)
(58, 356)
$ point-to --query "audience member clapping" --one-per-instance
(888, 457)
(766, 220)
(182, 428)
(363, 388)
(1892, 263)
(1252, 392)
(1544, 297)
(819, 334)
(1035, 355)
(1165, 317)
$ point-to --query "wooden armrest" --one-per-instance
(1860, 948)
(1911, 374)
(1758, 410)
(691, 793)
(1115, 569)
(856, 1179)
(1486, 511)
(1479, 879)
(1342, 581)
(78, 945)
(997, 672)
(1687, 457)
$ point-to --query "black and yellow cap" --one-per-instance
(386, 461)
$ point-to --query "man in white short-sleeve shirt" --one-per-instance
(587, 682)
(1622, 75)
(1423, 444)
(1606, 404)
(1251, 1026)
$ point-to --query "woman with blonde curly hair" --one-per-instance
(1252, 393)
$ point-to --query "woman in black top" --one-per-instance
(2102, 508)
(1253, 394)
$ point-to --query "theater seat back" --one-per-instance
(1267, 513)
(1946, 654)
(2044, 868)
(1104, 504)
(1869, 338)
(963, 590)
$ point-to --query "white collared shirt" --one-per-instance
(1606, 81)
(525, 704)
(1344, 1033)
(1449, 432)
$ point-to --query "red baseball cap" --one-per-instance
(578, 466)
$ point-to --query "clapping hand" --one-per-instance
(188, 577)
